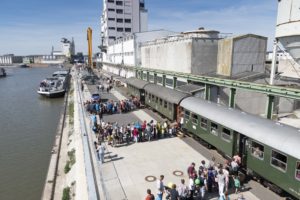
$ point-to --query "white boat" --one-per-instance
(52, 87)
(61, 73)
(2, 72)
(23, 65)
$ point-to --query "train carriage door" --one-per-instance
(240, 146)
(142, 95)
(179, 113)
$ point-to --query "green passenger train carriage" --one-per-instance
(136, 88)
(268, 149)
(164, 100)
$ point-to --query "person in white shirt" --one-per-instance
(101, 151)
(160, 188)
(183, 190)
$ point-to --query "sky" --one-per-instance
(34, 26)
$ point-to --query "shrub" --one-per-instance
(66, 193)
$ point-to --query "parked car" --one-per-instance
(96, 97)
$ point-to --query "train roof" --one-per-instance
(167, 94)
(276, 135)
(138, 83)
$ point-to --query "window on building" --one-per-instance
(194, 118)
(226, 134)
(160, 102)
(187, 115)
(279, 160)
(120, 29)
(119, 11)
(112, 37)
(203, 123)
(110, 1)
(214, 129)
(111, 9)
(298, 170)
(127, 29)
(119, 3)
(111, 28)
(127, 20)
(120, 20)
(111, 19)
(257, 150)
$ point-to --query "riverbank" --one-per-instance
(66, 174)
(34, 65)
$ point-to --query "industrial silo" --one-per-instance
(288, 27)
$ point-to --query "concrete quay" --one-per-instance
(126, 167)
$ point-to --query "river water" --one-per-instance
(28, 126)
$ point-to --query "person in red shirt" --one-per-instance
(135, 134)
(191, 170)
(149, 195)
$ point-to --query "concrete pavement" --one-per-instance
(126, 167)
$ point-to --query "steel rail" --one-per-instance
(279, 91)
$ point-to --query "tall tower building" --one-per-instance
(122, 17)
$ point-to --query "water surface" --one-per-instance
(28, 125)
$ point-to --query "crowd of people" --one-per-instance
(116, 134)
(111, 107)
(209, 178)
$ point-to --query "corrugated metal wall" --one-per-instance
(224, 57)
(248, 55)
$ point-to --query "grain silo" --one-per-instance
(242, 53)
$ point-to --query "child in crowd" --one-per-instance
(237, 184)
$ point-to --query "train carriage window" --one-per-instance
(156, 100)
(257, 150)
(160, 102)
(279, 160)
(226, 134)
(298, 170)
(203, 123)
(152, 97)
(194, 118)
(165, 104)
(214, 129)
(187, 115)
(170, 106)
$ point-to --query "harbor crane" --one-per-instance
(90, 53)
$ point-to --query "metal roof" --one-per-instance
(278, 136)
(138, 83)
(190, 88)
(167, 94)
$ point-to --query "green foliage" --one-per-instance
(71, 161)
(71, 113)
(67, 167)
(66, 194)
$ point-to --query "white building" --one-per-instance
(127, 50)
(122, 17)
(10, 59)
(193, 52)
(68, 47)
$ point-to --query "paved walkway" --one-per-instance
(126, 167)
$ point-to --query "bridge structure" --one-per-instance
(151, 75)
